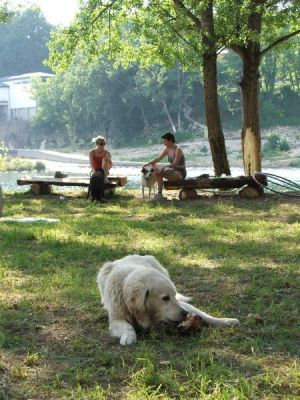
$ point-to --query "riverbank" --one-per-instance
(197, 152)
(8, 180)
(128, 161)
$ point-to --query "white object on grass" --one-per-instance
(29, 219)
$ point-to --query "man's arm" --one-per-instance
(157, 159)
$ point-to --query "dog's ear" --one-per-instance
(143, 170)
(135, 296)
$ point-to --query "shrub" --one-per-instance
(3, 155)
(39, 166)
(204, 149)
(295, 163)
(275, 144)
(182, 136)
(19, 164)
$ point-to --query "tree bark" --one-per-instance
(213, 120)
(212, 113)
(204, 25)
(251, 138)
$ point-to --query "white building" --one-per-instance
(16, 99)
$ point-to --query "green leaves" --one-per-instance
(25, 34)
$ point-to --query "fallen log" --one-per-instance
(216, 183)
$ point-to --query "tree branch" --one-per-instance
(179, 4)
(178, 33)
(279, 40)
(103, 11)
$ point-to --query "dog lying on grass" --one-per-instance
(137, 291)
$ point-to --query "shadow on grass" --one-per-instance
(53, 307)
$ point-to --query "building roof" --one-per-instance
(24, 77)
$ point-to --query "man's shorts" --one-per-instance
(172, 174)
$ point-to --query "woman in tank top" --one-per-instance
(99, 157)
(100, 162)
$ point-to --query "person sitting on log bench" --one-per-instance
(176, 170)
(100, 162)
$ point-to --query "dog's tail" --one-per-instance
(102, 277)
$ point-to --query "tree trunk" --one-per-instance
(212, 113)
(179, 94)
(213, 120)
(173, 127)
(251, 139)
(144, 117)
(251, 57)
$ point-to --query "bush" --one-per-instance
(39, 166)
(270, 114)
(19, 164)
(3, 155)
(182, 136)
(295, 163)
(204, 149)
(275, 144)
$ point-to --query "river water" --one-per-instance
(8, 180)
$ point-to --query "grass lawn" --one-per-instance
(234, 257)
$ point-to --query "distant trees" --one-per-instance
(127, 105)
(5, 12)
(165, 33)
(280, 86)
(23, 43)
(134, 105)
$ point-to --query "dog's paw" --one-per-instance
(232, 321)
(128, 338)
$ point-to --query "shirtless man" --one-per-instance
(176, 170)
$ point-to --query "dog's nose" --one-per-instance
(183, 313)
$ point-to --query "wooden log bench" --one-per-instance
(43, 185)
(249, 188)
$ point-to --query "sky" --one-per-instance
(57, 12)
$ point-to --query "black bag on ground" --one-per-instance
(96, 188)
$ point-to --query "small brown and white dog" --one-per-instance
(148, 180)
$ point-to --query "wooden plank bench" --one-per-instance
(43, 185)
(249, 188)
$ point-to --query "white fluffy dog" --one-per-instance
(148, 180)
(138, 292)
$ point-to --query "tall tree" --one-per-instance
(180, 31)
(155, 32)
(202, 22)
(23, 43)
(252, 28)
